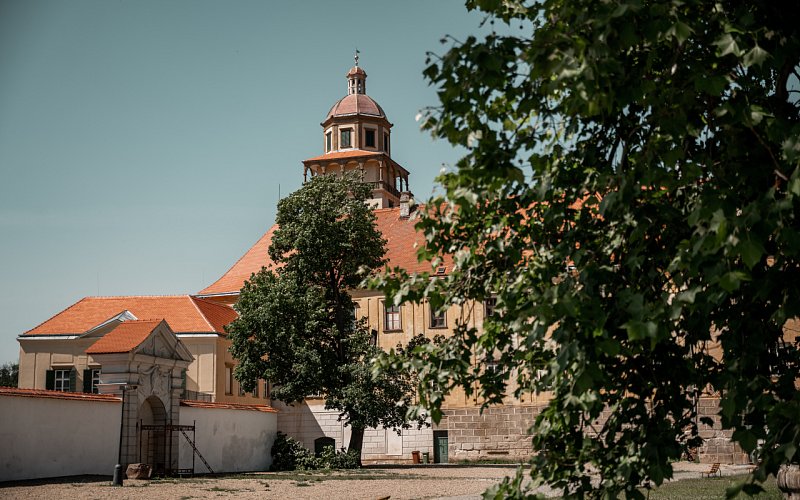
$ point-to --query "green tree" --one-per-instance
(629, 195)
(296, 325)
(9, 375)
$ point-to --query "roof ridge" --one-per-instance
(163, 296)
(56, 314)
(199, 311)
(271, 229)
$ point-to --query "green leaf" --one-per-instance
(755, 56)
(751, 252)
(727, 45)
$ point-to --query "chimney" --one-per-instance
(405, 205)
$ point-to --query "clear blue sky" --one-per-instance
(142, 143)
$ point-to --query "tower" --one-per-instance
(357, 136)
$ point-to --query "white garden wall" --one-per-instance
(52, 437)
(231, 440)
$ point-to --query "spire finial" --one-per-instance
(356, 57)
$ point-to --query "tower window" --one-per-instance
(386, 142)
(369, 138)
(328, 141)
(346, 139)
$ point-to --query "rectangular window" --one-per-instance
(438, 319)
(386, 142)
(489, 306)
(95, 381)
(391, 318)
(346, 136)
(228, 379)
(369, 138)
(61, 382)
(328, 141)
(490, 365)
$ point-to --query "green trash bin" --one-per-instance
(426, 457)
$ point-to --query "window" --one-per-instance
(228, 379)
(369, 138)
(96, 381)
(438, 319)
(346, 136)
(391, 319)
(61, 381)
(490, 365)
(386, 142)
(489, 306)
(328, 141)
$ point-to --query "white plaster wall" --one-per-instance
(57, 437)
(309, 421)
(230, 440)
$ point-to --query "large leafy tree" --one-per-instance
(9, 374)
(296, 325)
(630, 195)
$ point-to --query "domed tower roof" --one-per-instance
(356, 102)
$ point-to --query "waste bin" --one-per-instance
(426, 457)
(415, 456)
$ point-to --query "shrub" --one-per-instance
(289, 454)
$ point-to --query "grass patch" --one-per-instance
(709, 488)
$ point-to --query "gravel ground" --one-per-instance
(421, 482)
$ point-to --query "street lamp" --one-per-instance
(117, 481)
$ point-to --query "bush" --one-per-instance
(341, 459)
(289, 454)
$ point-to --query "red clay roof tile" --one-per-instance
(402, 238)
(41, 393)
(125, 337)
(184, 313)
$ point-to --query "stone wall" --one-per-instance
(717, 444)
(498, 433)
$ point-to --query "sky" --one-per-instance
(144, 144)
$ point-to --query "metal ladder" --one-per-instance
(191, 443)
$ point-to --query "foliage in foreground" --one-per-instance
(630, 199)
(289, 454)
(9, 374)
(296, 325)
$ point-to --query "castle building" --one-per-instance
(184, 336)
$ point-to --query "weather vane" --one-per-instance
(356, 57)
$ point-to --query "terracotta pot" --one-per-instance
(789, 481)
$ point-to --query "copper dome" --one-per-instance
(353, 104)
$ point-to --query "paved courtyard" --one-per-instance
(422, 482)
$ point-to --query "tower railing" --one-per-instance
(385, 185)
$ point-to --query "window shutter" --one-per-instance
(87, 381)
(50, 380)
(73, 380)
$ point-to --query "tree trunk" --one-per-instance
(356, 442)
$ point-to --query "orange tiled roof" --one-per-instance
(337, 155)
(184, 313)
(41, 393)
(401, 251)
(228, 406)
(125, 337)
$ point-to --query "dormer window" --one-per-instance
(346, 139)
(369, 138)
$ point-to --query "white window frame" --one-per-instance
(392, 318)
(61, 379)
(95, 388)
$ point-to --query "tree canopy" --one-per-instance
(297, 326)
(630, 196)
